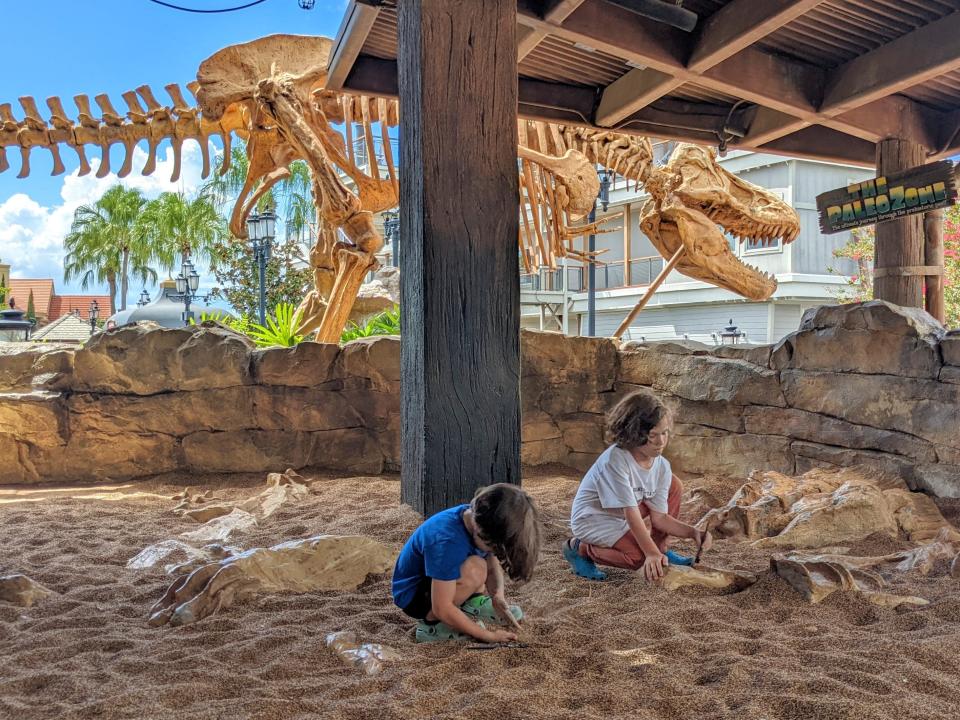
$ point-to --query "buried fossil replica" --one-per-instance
(270, 92)
(826, 508)
(324, 562)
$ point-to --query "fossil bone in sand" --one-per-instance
(368, 657)
(324, 562)
(678, 576)
(817, 575)
(823, 508)
(184, 556)
(21, 590)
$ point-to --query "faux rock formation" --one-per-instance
(324, 562)
(817, 575)
(21, 590)
(368, 657)
(678, 576)
(823, 507)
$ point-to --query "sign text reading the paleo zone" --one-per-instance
(916, 190)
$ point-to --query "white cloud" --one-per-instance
(31, 235)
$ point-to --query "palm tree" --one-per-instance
(105, 243)
(294, 194)
(178, 226)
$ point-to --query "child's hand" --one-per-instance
(653, 566)
(503, 611)
(499, 636)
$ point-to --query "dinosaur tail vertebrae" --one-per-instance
(145, 120)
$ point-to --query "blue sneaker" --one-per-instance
(678, 559)
(584, 567)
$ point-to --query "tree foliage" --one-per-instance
(860, 249)
(287, 276)
(107, 243)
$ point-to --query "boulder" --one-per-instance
(924, 408)
(307, 364)
(756, 354)
(140, 360)
(950, 348)
(372, 362)
(803, 425)
(324, 562)
(732, 455)
(23, 365)
(871, 338)
(350, 449)
(562, 375)
(701, 378)
(21, 590)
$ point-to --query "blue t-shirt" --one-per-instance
(436, 550)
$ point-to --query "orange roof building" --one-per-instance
(49, 306)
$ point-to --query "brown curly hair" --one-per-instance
(631, 420)
(508, 521)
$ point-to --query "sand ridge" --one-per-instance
(87, 652)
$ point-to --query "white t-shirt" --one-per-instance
(614, 482)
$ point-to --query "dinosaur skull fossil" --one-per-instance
(694, 200)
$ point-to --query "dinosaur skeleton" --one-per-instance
(270, 93)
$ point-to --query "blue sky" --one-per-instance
(69, 47)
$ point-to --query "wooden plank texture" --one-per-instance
(899, 243)
(460, 342)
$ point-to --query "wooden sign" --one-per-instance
(916, 190)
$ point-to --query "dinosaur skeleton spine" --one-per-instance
(270, 93)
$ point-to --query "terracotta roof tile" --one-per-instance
(42, 294)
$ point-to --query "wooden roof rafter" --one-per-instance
(853, 90)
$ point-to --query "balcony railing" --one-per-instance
(608, 276)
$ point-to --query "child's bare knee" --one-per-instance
(474, 570)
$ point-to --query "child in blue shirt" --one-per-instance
(449, 561)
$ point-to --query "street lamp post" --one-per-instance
(144, 298)
(391, 228)
(188, 281)
(592, 270)
(94, 315)
(730, 334)
(261, 230)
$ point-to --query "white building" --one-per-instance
(685, 308)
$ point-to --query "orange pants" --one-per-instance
(626, 552)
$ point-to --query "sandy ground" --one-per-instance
(87, 651)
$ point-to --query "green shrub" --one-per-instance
(385, 323)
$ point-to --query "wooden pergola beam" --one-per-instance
(830, 145)
(556, 12)
(791, 88)
(925, 53)
(357, 22)
(739, 24)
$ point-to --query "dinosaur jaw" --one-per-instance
(743, 210)
(707, 255)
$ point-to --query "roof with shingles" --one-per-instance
(67, 328)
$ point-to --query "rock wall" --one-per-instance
(866, 384)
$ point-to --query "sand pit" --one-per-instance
(598, 650)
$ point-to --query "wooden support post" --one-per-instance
(460, 335)
(649, 293)
(933, 257)
(899, 243)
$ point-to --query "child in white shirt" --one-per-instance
(626, 508)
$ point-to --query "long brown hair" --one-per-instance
(508, 521)
(631, 420)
